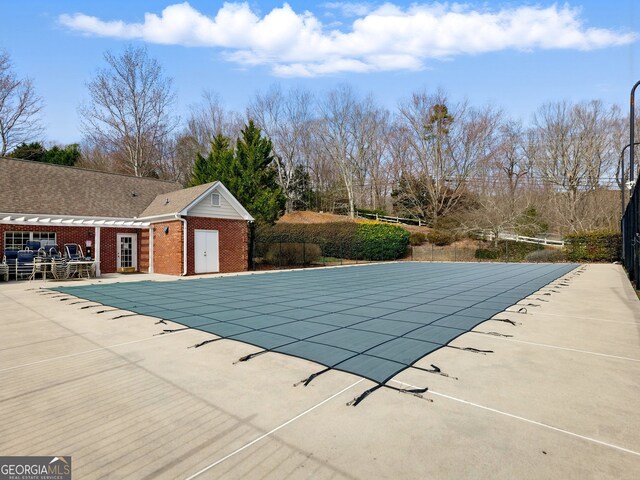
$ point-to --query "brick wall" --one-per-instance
(108, 240)
(233, 239)
(109, 248)
(167, 248)
(143, 249)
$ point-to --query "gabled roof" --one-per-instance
(179, 202)
(171, 203)
(41, 188)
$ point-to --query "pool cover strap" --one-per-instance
(436, 371)
(415, 391)
(310, 378)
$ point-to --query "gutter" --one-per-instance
(184, 243)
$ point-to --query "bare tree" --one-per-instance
(576, 155)
(448, 143)
(19, 108)
(286, 118)
(130, 110)
(351, 132)
(210, 118)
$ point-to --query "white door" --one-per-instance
(127, 252)
(206, 251)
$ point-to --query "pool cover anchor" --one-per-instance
(416, 392)
(206, 342)
(495, 334)
(125, 316)
(506, 320)
(436, 371)
(309, 379)
(250, 356)
(471, 349)
(167, 331)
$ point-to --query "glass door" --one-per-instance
(127, 253)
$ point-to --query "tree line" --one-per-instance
(450, 164)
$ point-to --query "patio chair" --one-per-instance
(51, 250)
(11, 259)
(4, 269)
(73, 251)
(39, 266)
(33, 245)
(24, 263)
(60, 269)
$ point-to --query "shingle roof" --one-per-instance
(174, 202)
(43, 188)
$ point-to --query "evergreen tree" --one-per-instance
(35, 152)
(29, 151)
(211, 168)
(248, 173)
(68, 155)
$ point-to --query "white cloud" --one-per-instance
(350, 9)
(387, 37)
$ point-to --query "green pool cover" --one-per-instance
(373, 320)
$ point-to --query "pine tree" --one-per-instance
(248, 173)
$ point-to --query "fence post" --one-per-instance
(280, 256)
(304, 253)
(432, 252)
(253, 256)
(455, 252)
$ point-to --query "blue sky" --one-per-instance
(514, 54)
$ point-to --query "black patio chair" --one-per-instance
(33, 245)
(11, 259)
(24, 265)
(51, 250)
(73, 251)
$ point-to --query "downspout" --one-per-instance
(184, 244)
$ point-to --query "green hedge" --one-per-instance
(361, 241)
(599, 246)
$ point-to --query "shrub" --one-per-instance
(417, 238)
(487, 254)
(379, 241)
(506, 251)
(288, 254)
(441, 237)
(547, 256)
(516, 251)
(367, 241)
(598, 246)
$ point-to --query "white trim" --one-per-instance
(69, 220)
(150, 249)
(156, 218)
(184, 244)
(96, 247)
(235, 204)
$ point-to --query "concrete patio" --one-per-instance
(559, 399)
